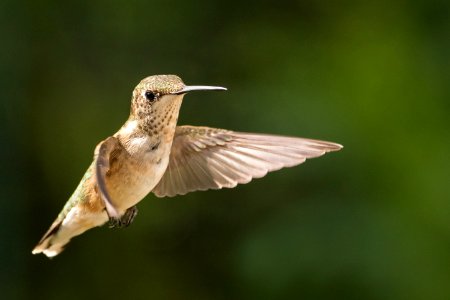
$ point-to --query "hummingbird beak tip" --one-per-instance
(190, 88)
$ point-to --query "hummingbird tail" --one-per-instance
(46, 244)
(64, 229)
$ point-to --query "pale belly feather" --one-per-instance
(138, 175)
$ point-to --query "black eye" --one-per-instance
(150, 96)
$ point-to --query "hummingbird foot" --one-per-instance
(125, 220)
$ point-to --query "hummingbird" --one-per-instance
(150, 153)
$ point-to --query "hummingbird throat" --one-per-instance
(162, 120)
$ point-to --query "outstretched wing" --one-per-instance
(205, 158)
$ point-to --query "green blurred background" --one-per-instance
(369, 222)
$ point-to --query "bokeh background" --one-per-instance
(369, 222)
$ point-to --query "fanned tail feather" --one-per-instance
(49, 245)
(77, 221)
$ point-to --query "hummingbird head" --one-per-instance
(155, 93)
(157, 99)
(159, 93)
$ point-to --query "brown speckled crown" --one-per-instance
(163, 84)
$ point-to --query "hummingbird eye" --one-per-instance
(151, 96)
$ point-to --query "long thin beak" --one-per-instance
(199, 88)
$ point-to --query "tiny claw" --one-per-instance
(114, 223)
(125, 220)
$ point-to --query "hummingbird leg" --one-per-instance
(125, 220)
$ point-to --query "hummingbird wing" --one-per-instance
(205, 158)
(105, 152)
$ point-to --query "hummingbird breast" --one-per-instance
(136, 172)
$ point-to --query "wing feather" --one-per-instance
(205, 158)
(104, 153)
